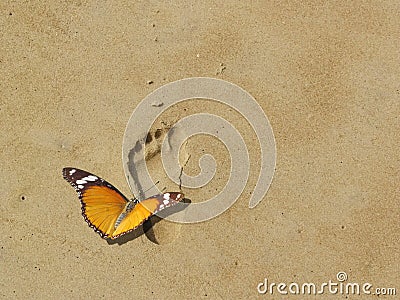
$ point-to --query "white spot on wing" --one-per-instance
(72, 172)
(166, 196)
(80, 186)
(166, 201)
(90, 178)
(81, 181)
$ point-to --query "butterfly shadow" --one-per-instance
(147, 227)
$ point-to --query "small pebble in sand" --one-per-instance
(221, 69)
(157, 104)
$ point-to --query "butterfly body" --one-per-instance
(107, 210)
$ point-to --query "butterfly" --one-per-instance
(107, 210)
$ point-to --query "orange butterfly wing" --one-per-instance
(145, 209)
(101, 202)
(101, 207)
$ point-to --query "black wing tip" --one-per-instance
(176, 196)
(66, 170)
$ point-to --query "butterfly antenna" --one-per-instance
(158, 181)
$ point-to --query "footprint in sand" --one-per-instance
(157, 230)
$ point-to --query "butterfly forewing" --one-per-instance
(145, 209)
(101, 202)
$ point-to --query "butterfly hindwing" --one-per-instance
(101, 202)
(144, 210)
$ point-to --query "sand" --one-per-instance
(325, 73)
